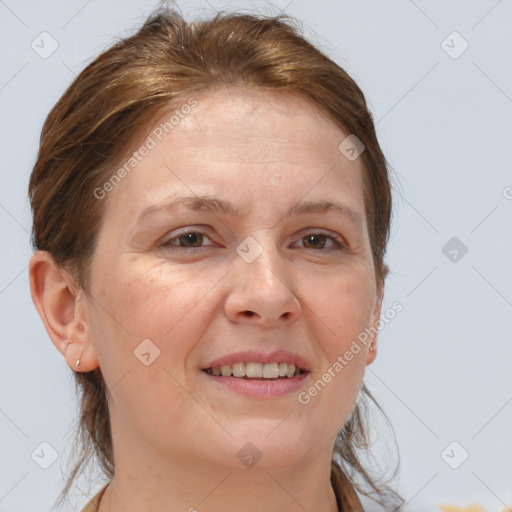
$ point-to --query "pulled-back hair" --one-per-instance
(119, 94)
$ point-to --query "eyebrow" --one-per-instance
(222, 207)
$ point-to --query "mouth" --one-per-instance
(256, 380)
(258, 375)
(257, 371)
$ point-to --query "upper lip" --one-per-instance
(253, 356)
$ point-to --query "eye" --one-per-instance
(189, 239)
(318, 240)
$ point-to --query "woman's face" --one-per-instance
(164, 305)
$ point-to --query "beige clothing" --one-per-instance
(93, 505)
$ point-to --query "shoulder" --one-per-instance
(417, 505)
(93, 505)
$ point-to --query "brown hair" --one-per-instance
(120, 93)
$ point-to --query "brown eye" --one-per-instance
(318, 241)
(315, 241)
(193, 239)
(186, 240)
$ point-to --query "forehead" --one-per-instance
(253, 117)
(240, 143)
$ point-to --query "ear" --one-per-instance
(372, 354)
(59, 304)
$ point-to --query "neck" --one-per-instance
(199, 486)
(213, 478)
(230, 492)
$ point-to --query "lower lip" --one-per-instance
(260, 388)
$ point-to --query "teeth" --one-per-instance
(271, 371)
(254, 370)
(257, 370)
(225, 370)
(239, 370)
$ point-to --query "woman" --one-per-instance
(211, 211)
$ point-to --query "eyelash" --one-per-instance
(339, 245)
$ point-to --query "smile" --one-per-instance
(257, 387)
(253, 370)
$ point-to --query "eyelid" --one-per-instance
(338, 241)
(183, 232)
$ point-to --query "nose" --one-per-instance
(261, 292)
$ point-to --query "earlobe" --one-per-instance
(58, 302)
(371, 354)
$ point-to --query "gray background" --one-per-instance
(443, 371)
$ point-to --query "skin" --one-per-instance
(176, 436)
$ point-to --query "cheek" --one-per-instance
(342, 308)
(170, 308)
(151, 302)
(156, 317)
(343, 303)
